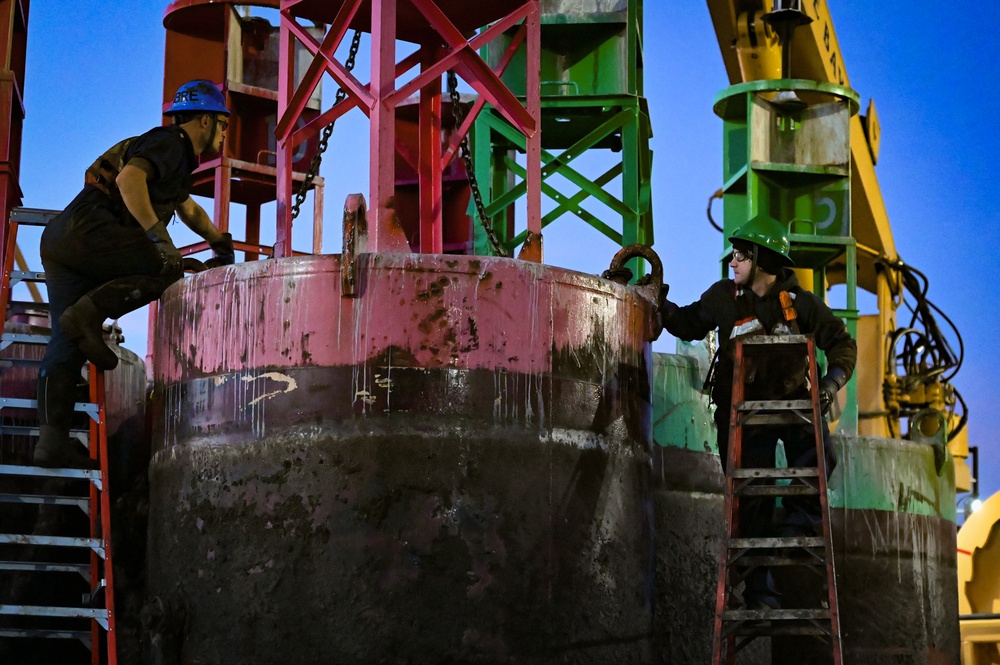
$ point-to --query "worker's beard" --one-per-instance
(210, 149)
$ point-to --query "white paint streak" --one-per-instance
(290, 385)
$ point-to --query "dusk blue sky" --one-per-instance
(95, 75)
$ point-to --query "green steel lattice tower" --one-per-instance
(592, 104)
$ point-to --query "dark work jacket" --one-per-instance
(736, 311)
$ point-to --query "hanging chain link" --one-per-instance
(458, 111)
(300, 196)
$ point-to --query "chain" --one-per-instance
(459, 112)
(324, 138)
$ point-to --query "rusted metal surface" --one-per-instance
(450, 467)
(417, 310)
(531, 250)
(355, 242)
(896, 578)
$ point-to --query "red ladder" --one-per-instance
(735, 625)
(24, 552)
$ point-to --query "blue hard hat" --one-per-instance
(198, 96)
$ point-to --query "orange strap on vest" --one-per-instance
(787, 306)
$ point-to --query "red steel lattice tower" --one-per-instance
(440, 29)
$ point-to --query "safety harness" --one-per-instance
(749, 325)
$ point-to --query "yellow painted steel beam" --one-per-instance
(980, 641)
(978, 582)
(979, 560)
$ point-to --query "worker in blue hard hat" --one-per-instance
(764, 298)
(109, 253)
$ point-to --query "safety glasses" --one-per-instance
(740, 256)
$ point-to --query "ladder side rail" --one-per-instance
(734, 463)
(824, 502)
(730, 514)
(95, 520)
(99, 449)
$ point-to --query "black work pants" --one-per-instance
(85, 250)
(757, 514)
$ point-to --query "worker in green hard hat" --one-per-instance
(764, 298)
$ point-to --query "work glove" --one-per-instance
(666, 308)
(172, 259)
(223, 252)
(829, 386)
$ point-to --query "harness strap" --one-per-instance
(788, 306)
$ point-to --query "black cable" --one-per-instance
(922, 351)
(963, 421)
(939, 349)
(711, 220)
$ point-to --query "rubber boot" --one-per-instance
(57, 390)
(83, 322)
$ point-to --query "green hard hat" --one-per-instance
(767, 232)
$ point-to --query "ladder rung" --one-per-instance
(777, 490)
(33, 216)
(26, 276)
(94, 544)
(47, 500)
(745, 562)
(44, 567)
(774, 340)
(97, 614)
(789, 629)
(779, 474)
(772, 543)
(89, 408)
(776, 615)
(82, 635)
(775, 405)
(93, 475)
(790, 418)
(81, 435)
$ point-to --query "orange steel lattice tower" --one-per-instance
(239, 53)
(13, 44)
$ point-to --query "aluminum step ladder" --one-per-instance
(27, 561)
(736, 626)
